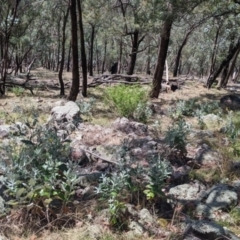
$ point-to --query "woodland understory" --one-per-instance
(119, 119)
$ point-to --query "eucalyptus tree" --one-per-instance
(9, 19)
(75, 68)
(134, 24)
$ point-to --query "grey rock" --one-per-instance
(67, 113)
(222, 197)
(186, 192)
(218, 197)
(4, 131)
(208, 229)
(126, 126)
(206, 156)
(86, 180)
(136, 228)
(145, 217)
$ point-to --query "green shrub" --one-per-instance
(129, 101)
(18, 91)
(176, 137)
(38, 171)
(130, 184)
(193, 107)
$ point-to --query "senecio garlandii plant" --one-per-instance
(38, 170)
(120, 187)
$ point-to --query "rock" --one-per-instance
(186, 192)
(86, 180)
(208, 230)
(180, 172)
(218, 197)
(207, 157)
(126, 126)
(231, 101)
(79, 155)
(145, 217)
(69, 112)
(4, 131)
(212, 121)
(136, 228)
(101, 166)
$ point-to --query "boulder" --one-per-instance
(126, 126)
(186, 192)
(218, 197)
(231, 101)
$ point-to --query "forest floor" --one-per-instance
(44, 96)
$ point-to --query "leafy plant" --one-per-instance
(159, 171)
(39, 170)
(193, 107)
(18, 91)
(121, 187)
(176, 137)
(129, 101)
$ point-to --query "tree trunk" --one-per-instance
(61, 66)
(226, 61)
(179, 53)
(214, 54)
(120, 56)
(91, 51)
(59, 44)
(104, 56)
(83, 53)
(75, 71)
(69, 56)
(162, 54)
(230, 69)
(133, 55)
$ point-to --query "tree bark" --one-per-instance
(83, 53)
(179, 53)
(91, 51)
(104, 56)
(162, 54)
(61, 66)
(226, 61)
(69, 56)
(75, 70)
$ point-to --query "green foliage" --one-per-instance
(193, 107)
(230, 128)
(158, 173)
(86, 107)
(129, 101)
(176, 137)
(38, 171)
(120, 187)
(18, 91)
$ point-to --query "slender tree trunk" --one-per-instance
(214, 53)
(58, 45)
(61, 66)
(91, 51)
(83, 53)
(69, 57)
(75, 70)
(226, 61)
(231, 68)
(179, 53)
(120, 56)
(133, 55)
(162, 54)
(104, 56)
